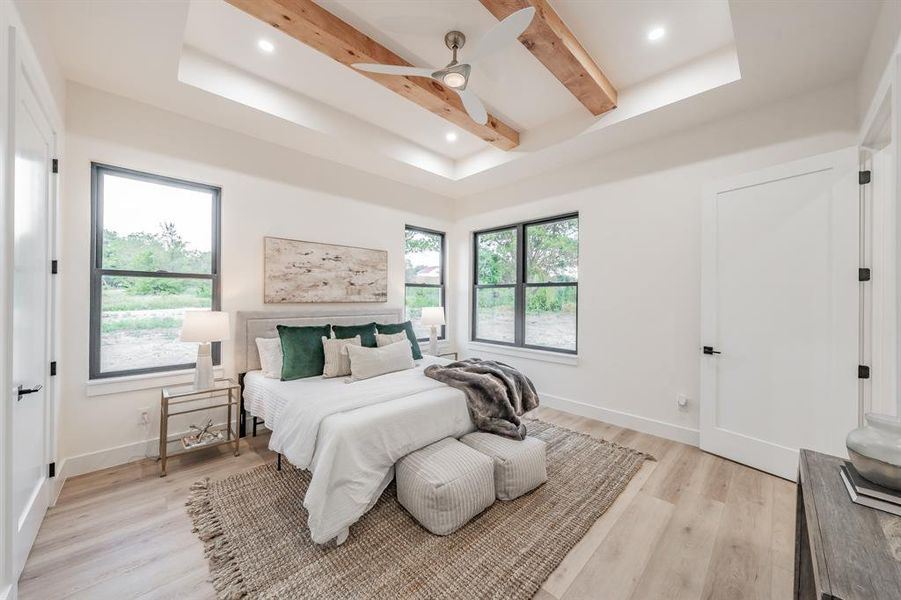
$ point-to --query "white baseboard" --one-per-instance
(678, 433)
(119, 455)
(111, 457)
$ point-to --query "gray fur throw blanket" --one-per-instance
(496, 394)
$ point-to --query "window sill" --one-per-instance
(147, 381)
(530, 353)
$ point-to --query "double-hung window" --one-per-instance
(526, 284)
(154, 255)
(424, 275)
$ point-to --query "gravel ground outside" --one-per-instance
(553, 330)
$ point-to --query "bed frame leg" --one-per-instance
(278, 462)
(254, 427)
(242, 420)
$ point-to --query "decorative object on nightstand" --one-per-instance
(875, 450)
(433, 317)
(185, 399)
(204, 326)
(201, 436)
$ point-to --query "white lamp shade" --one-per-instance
(205, 326)
(432, 316)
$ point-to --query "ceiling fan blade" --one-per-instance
(473, 106)
(393, 69)
(503, 34)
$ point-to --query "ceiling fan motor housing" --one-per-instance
(454, 40)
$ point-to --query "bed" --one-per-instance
(348, 435)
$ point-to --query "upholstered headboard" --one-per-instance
(249, 325)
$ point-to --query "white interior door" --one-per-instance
(780, 303)
(31, 287)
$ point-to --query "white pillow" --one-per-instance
(369, 362)
(383, 339)
(337, 362)
(270, 350)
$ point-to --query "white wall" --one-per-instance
(639, 320)
(883, 46)
(639, 272)
(266, 190)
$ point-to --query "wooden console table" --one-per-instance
(843, 551)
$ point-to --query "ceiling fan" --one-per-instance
(456, 75)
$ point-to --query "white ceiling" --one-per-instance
(512, 83)
(614, 34)
(200, 59)
(230, 35)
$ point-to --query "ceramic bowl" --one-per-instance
(875, 450)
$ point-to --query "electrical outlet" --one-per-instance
(682, 401)
(144, 416)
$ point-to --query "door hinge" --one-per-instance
(863, 372)
(864, 177)
(54, 267)
(53, 368)
(51, 469)
(863, 274)
(55, 165)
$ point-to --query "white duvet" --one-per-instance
(349, 435)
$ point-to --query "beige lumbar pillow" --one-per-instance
(384, 339)
(337, 362)
(369, 362)
(270, 350)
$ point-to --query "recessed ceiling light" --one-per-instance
(451, 136)
(266, 46)
(656, 34)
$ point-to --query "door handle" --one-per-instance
(710, 350)
(25, 391)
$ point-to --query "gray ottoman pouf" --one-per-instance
(519, 466)
(445, 484)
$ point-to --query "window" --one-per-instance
(424, 269)
(526, 288)
(154, 255)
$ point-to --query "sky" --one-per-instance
(131, 206)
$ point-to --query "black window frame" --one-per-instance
(441, 286)
(98, 272)
(519, 286)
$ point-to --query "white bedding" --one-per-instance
(349, 435)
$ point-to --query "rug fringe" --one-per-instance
(227, 579)
(646, 456)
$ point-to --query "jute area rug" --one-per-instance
(254, 528)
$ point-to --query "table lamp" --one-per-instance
(204, 326)
(433, 317)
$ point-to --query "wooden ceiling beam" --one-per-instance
(307, 22)
(558, 49)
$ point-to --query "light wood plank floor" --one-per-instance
(690, 525)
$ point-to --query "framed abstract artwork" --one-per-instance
(297, 271)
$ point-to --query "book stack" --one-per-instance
(867, 493)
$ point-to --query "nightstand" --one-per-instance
(184, 399)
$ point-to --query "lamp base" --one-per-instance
(203, 372)
(433, 341)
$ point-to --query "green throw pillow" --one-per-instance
(302, 354)
(366, 333)
(406, 328)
